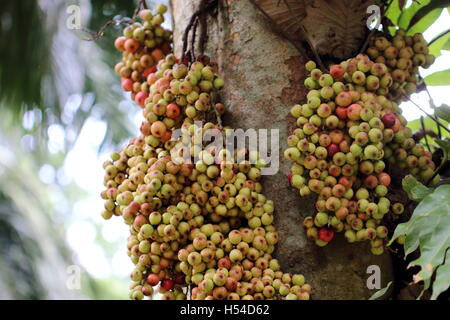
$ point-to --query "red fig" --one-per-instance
(336, 71)
(332, 149)
(167, 284)
(388, 120)
(153, 279)
(326, 234)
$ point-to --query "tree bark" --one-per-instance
(264, 76)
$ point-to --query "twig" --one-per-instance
(438, 37)
(424, 85)
(215, 100)
(424, 136)
(194, 33)
(186, 34)
(439, 132)
(218, 118)
(432, 104)
(140, 4)
(97, 35)
(369, 37)
(429, 115)
(203, 34)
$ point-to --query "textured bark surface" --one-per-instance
(264, 76)
(334, 27)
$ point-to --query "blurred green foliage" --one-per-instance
(45, 68)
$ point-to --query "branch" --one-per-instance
(429, 115)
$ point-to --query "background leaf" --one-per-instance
(429, 123)
(441, 42)
(424, 22)
(394, 11)
(408, 13)
(443, 112)
(440, 78)
(420, 9)
(442, 281)
(25, 33)
(446, 46)
(432, 130)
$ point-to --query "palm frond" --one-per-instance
(24, 48)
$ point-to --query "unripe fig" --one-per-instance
(343, 99)
(321, 219)
(397, 208)
(310, 66)
(350, 235)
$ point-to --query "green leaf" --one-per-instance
(423, 9)
(415, 125)
(408, 13)
(440, 78)
(394, 11)
(446, 45)
(440, 42)
(442, 281)
(416, 190)
(428, 229)
(443, 112)
(381, 292)
(423, 23)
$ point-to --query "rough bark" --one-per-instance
(264, 76)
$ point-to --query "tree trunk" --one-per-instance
(264, 76)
